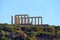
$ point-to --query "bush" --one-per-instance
(30, 34)
(34, 29)
(0, 27)
(27, 38)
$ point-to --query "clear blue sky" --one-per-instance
(48, 9)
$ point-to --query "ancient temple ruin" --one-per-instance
(26, 19)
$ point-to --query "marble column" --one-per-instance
(24, 20)
(15, 20)
(18, 20)
(41, 20)
(32, 20)
(11, 19)
(28, 19)
(21, 19)
(38, 21)
(35, 21)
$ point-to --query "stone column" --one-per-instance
(35, 21)
(15, 20)
(24, 20)
(28, 19)
(18, 20)
(32, 20)
(11, 19)
(41, 20)
(38, 21)
(21, 19)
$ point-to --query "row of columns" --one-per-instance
(21, 19)
(24, 19)
(36, 20)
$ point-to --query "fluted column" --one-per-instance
(24, 20)
(28, 19)
(15, 19)
(35, 21)
(18, 20)
(32, 20)
(41, 20)
(38, 21)
(11, 19)
(21, 19)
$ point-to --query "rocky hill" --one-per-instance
(13, 32)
